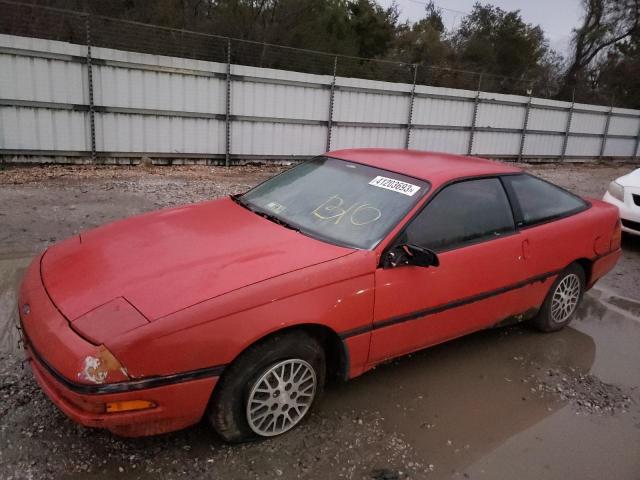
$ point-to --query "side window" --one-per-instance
(539, 200)
(462, 213)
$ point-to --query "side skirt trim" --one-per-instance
(446, 306)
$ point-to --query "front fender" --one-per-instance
(337, 294)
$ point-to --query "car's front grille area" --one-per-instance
(636, 199)
(631, 225)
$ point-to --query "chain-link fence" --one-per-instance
(37, 21)
(45, 21)
(113, 104)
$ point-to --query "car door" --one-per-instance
(470, 225)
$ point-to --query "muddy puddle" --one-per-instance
(514, 403)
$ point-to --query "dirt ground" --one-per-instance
(503, 403)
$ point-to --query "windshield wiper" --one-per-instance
(268, 216)
(275, 219)
(236, 197)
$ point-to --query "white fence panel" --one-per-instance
(583, 146)
(496, 143)
(348, 137)
(500, 116)
(43, 129)
(177, 107)
(129, 88)
(538, 145)
(436, 111)
(589, 122)
(158, 134)
(263, 138)
(353, 106)
(281, 101)
(456, 141)
(619, 147)
(548, 120)
(28, 78)
(624, 125)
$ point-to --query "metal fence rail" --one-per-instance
(62, 101)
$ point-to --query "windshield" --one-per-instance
(337, 201)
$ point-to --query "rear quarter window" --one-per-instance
(538, 200)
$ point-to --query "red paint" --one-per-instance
(188, 288)
(179, 405)
(99, 326)
(437, 168)
(164, 261)
(462, 273)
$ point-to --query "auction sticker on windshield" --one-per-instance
(395, 185)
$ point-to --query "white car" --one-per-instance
(624, 193)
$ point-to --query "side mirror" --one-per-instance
(406, 254)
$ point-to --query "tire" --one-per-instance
(292, 356)
(555, 315)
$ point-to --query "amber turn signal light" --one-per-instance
(129, 405)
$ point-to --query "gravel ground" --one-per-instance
(38, 442)
(490, 405)
(78, 198)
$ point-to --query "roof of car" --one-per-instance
(432, 166)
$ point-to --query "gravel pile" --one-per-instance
(586, 393)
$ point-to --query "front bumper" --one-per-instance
(55, 354)
(178, 405)
(629, 211)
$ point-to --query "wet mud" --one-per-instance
(502, 403)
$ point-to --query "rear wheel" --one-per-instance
(269, 389)
(562, 300)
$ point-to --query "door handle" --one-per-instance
(526, 249)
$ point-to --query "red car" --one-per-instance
(239, 309)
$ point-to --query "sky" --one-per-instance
(556, 17)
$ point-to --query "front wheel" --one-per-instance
(281, 397)
(269, 389)
(562, 300)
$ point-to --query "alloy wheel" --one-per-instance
(281, 397)
(565, 298)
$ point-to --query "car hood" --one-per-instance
(631, 179)
(168, 260)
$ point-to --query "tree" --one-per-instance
(425, 42)
(501, 44)
(490, 40)
(618, 77)
(605, 24)
(373, 26)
